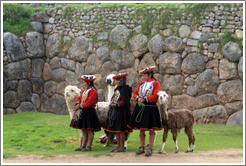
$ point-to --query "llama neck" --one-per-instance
(110, 92)
(164, 112)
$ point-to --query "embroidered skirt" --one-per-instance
(86, 118)
(117, 120)
(145, 118)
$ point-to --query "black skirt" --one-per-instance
(148, 120)
(86, 119)
(117, 120)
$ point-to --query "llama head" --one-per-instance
(71, 93)
(110, 80)
(162, 97)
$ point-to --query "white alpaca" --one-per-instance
(71, 94)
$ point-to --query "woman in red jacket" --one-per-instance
(85, 116)
(146, 114)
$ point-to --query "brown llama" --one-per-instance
(175, 121)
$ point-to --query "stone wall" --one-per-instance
(195, 65)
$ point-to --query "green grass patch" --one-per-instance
(49, 135)
(16, 18)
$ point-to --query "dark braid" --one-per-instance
(152, 74)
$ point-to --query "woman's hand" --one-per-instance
(112, 105)
(141, 100)
(76, 108)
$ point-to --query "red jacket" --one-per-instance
(153, 98)
(91, 99)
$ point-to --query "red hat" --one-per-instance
(88, 77)
(120, 75)
(147, 69)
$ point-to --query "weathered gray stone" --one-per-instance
(70, 78)
(7, 111)
(55, 63)
(37, 67)
(230, 91)
(206, 100)
(122, 59)
(138, 45)
(101, 95)
(216, 114)
(24, 90)
(119, 35)
(61, 88)
(5, 85)
(13, 85)
(18, 70)
(56, 104)
(51, 20)
(207, 82)
(103, 53)
(107, 67)
(155, 45)
(68, 64)
(11, 99)
(52, 45)
(40, 16)
(46, 72)
(35, 44)
(173, 44)
(212, 64)
(213, 47)
(37, 85)
(233, 107)
(228, 70)
(170, 63)
(196, 35)
(79, 51)
(103, 36)
(240, 68)
(232, 51)
(79, 71)
(14, 48)
(26, 107)
(93, 65)
(183, 102)
(50, 88)
(58, 75)
(191, 90)
(36, 100)
(173, 84)
(37, 26)
(194, 63)
(184, 31)
(191, 42)
(148, 61)
(235, 119)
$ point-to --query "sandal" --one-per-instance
(120, 150)
(149, 152)
(113, 150)
(140, 151)
(79, 149)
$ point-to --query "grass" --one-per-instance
(49, 135)
(17, 18)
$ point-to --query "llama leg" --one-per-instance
(164, 138)
(126, 139)
(189, 134)
(193, 143)
(174, 132)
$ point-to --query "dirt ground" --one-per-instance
(216, 156)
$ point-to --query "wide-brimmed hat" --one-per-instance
(147, 69)
(120, 75)
(88, 78)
